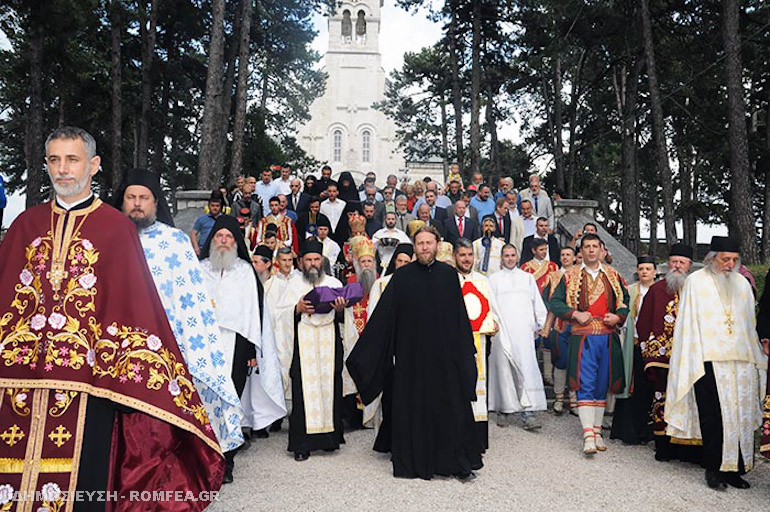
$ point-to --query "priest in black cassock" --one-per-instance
(421, 321)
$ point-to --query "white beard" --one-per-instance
(223, 259)
(675, 281)
(366, 277)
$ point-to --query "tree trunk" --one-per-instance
(558, 146)
(227, 101)
(239, 125)
(689, 225)
(148, 35)
(766, 211)
(742, 222)
(160, 131)
(444, 136)
(476, 88)
(570, 169)
(457, 98)
(659, 128)
(208, 172)
(654, 221)
(494, 146)
(35, 157)
(116, 82)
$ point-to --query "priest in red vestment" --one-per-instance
(94, 392)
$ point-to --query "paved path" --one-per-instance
(522, 471)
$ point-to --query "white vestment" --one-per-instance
(177, 275)
(385, 252)
(373, 412)
(237, 307)
(513, 358)
(723, 333)
(331, 250)
(316, 339)
(275, 288)
(495, 256)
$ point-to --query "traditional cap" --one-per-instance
(313, 247)
(446, 253)
(491, 217)
(414, 226)
(264, 251)
(362, 246)
(681, 250)
(725, 244)
(151, 181)
(646, 259)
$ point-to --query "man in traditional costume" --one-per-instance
(655, 330)
(419, 344)
(541, 269)
(89, 359)
(515, 382)
(315, 344)
(488, 248)
(247, 346)
(631, 419)
(593, 298)
(284, 228)
(364, 263)
(179, 280)
(716, 367)
(481, 308)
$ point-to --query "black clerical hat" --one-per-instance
(264, 251)
(681, 250)
(645, 259)
(725, 244)
(313, 246)
(151, 181)
(323, 221)
(231, 224)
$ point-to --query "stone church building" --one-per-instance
(345, 130)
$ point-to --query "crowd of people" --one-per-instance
(417, 310)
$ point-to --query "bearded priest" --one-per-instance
(419, 344)
(314, 343)
(89, 359)
(717, 365)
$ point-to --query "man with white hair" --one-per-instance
(716, 367)
(364, 263)
(541, 203)
(655, 329)
(246, 335)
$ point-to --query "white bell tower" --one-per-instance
(345, 130)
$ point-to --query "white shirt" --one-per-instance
(529, 226)
(594, 272)
(284, 186)
(386, 252)
(333, 210)
(265, 192)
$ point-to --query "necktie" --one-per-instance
(460, 225)
(432, 212)
(295, 201)
(535, 204)
(500, 224)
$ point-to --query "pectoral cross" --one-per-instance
(12, 436)
(56, 275)
(59, 436)
(729, 322)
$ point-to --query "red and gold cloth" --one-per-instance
(80, 317)
(541, 271)
(286, 231)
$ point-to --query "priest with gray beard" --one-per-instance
(717, 367)
(364, 253)
(655, 329)
(246, 336)
(314, 343)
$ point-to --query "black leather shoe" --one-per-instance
(714, 481)
(734, 480)
(276, 426)
(260, 434)
(465, 476)
(301, 456)
(228, 477)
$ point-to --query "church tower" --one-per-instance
(345, 130)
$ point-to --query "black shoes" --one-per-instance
(260, 434)
(276, 426)
(734, 480)
(465, 476)
(714, 481)
(228, 476)
(301, 456)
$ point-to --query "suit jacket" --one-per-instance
(439, 225)
(506, 233)
(471, 229)
(471, 211)
(554, 251)
(303, 204)
(403, 222)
